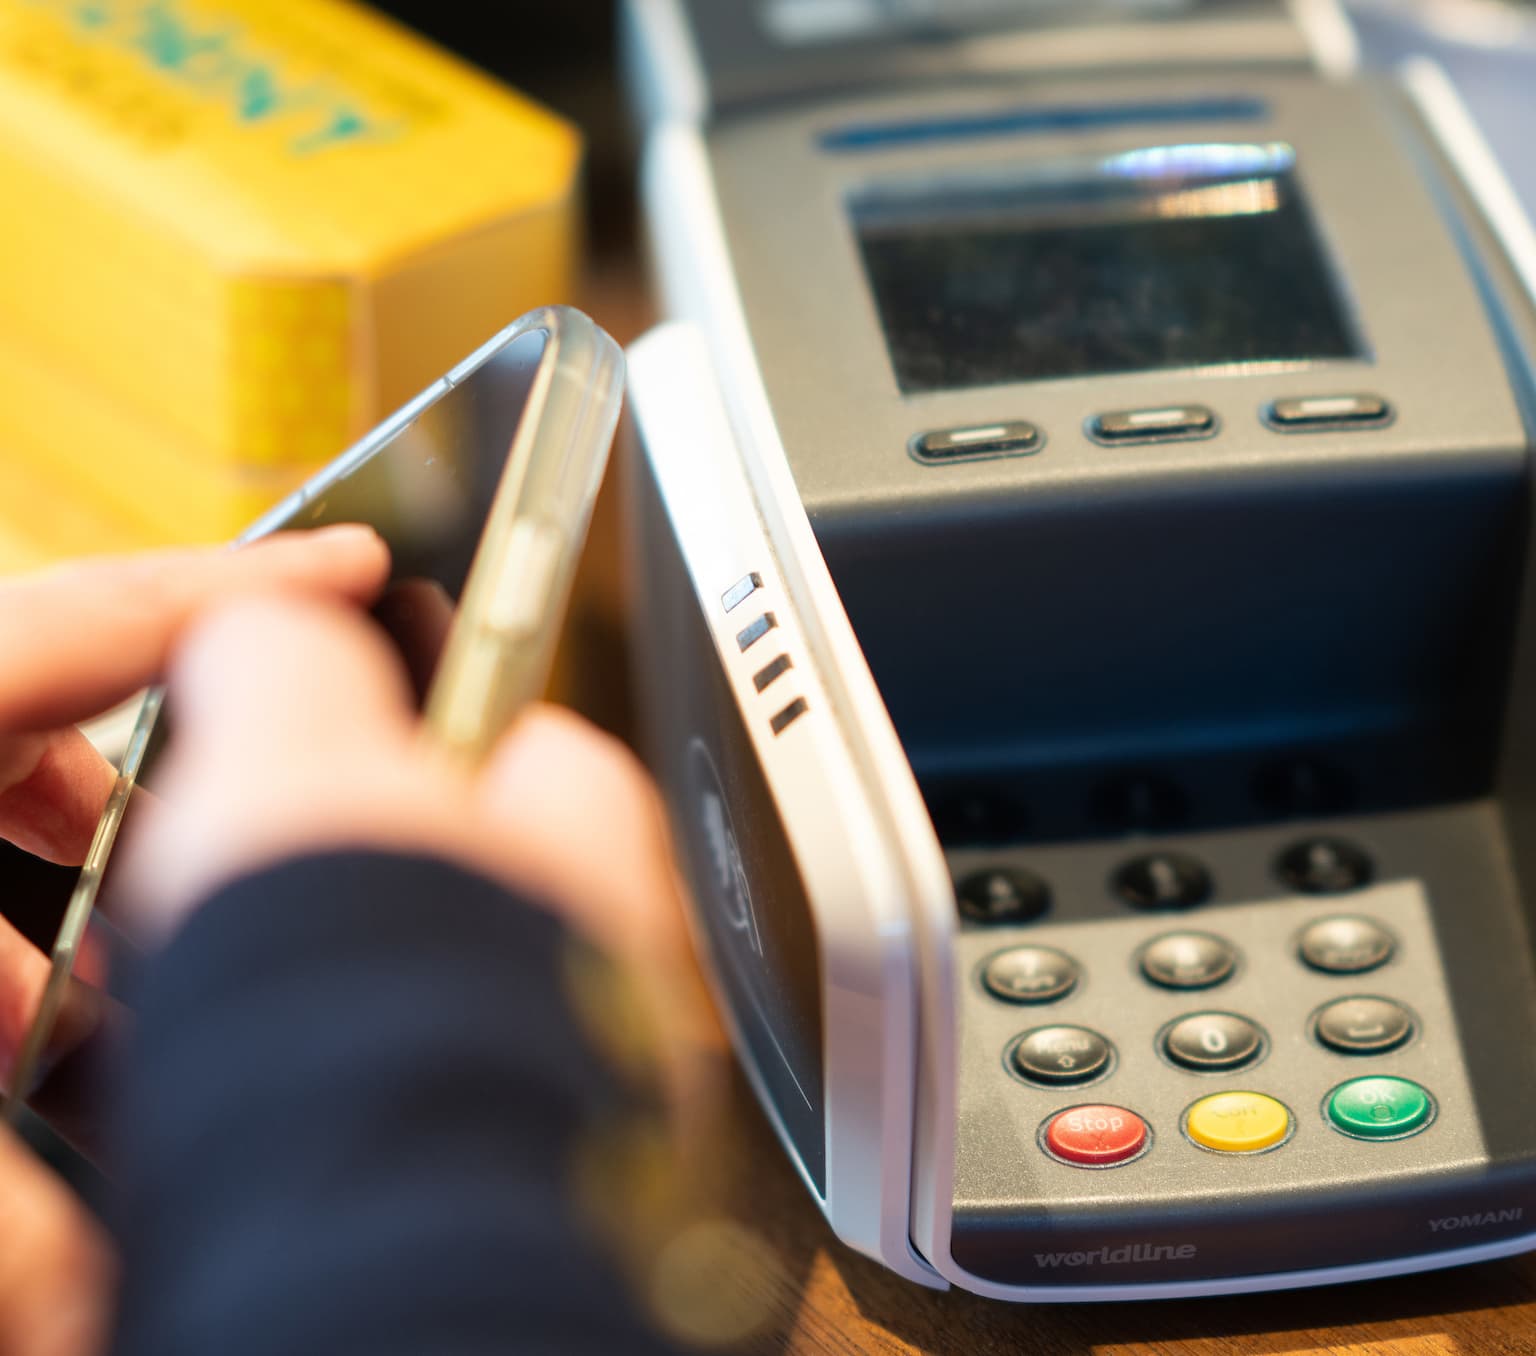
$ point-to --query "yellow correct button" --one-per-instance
(1237, 1122)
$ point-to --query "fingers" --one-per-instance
(57, 1271)
(80, 638)
(53, 788)
(294, 729)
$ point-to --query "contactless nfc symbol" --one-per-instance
(730, 893)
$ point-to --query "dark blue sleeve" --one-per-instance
(347, 1124)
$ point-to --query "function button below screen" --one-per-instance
(1346, 944)
(1156, 425)
(1209, 1042)
(1003, 895)
(1188, 960)
(1061, 1054)
(1306, 414)
(1030, 974)
(1013, 438)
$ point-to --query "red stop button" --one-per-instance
(1096, 1136)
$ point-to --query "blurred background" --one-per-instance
(566, 57)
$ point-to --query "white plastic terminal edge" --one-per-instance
(661, 63)
(693, 268)
(841, 843)
(1453, 126)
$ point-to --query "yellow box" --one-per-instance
(257, 225)
(118, 465)
(56, 523)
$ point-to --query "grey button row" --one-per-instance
(1209, 1042)
(1343, 944)
(1155, 424)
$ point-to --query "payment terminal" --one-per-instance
(1086, 642)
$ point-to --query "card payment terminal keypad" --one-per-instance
(1144, 1064)
(1221, 1042)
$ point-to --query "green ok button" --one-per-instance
(1379, 1108)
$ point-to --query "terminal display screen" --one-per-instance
(1178, 256)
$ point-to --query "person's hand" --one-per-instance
(73, 642)
(80, 638)
(296, 731)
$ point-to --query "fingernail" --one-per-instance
(346, 532)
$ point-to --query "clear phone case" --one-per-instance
(503, 641)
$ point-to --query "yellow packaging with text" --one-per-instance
(242, 231)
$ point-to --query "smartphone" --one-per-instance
(483, 487)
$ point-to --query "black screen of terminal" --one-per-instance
(1153, 261)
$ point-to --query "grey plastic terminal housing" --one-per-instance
(1309, 614)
